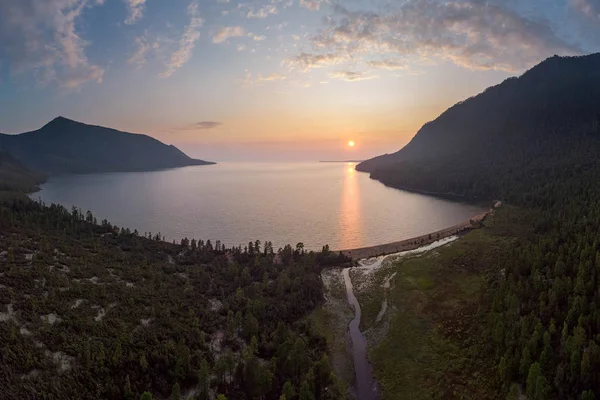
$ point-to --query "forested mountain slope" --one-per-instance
(533, 142)
(14, 176)
(92, 311)
(66, 146)
(530, 126)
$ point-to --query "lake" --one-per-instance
(313, 203)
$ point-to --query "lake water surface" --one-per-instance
(313, 203)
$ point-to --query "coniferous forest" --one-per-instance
(90, 310)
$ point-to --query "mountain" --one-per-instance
(14, 176)
(492, 145)
(534, 143)
(66, 146)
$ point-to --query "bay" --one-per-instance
(286, 203)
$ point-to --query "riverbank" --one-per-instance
(420, 317)
(340, 319)
(419, 241)
(360, 344)
(331, 321)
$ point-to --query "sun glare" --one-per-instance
(351, 143)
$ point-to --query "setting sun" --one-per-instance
(351, 143)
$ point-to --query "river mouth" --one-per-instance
(366, 385)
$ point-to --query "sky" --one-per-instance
(272, 79)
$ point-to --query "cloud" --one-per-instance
(187, 42)
(313, 5)
(308, 61)
(351, 76)
(136, 10)
(389, 65)
(589, 8)
(227, 32)
(278, 27)
(40, 37)
(250, 81)
(271, 77)
(143, 47)
(262, 12)
(470, 33)
(204, 125)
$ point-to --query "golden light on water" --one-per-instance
(350, 225)
(351, 143)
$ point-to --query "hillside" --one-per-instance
(14, 176)
(532, 308)
(66, 146)
(89, 311)
(482, 147)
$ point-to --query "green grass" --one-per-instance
(430, 351)
(370, 299)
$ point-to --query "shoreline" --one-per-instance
(418, 241)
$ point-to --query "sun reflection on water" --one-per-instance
(349, 219)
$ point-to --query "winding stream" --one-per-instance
(366, 386)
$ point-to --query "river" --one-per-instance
(366, 385)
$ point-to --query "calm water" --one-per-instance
(313, 203)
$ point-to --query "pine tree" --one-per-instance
(176, 393)
(146, 396)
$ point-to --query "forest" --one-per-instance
(538, 151)
(15, 178)
(90, 310)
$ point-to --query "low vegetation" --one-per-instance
(427, 344)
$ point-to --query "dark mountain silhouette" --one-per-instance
(14, 176)
(545, 122)
(66, 146)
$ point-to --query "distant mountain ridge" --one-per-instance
(539, 124)
(66, 146)
(14, 176)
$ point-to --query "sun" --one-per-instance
(351, 143)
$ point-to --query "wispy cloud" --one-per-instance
(313, 5)
(143, 47)
(278, 27)
(203, 125)
(271, 77)
(187, 42)
(40, 36)
(136, 10)
(589, 8)
(470, 33)
(262, 12)
(308, 61)
(257, 38)
(227, 32)
(250, 80)
(351, 76)
(387, 64)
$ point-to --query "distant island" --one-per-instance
(64, 146)
(339, 161)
